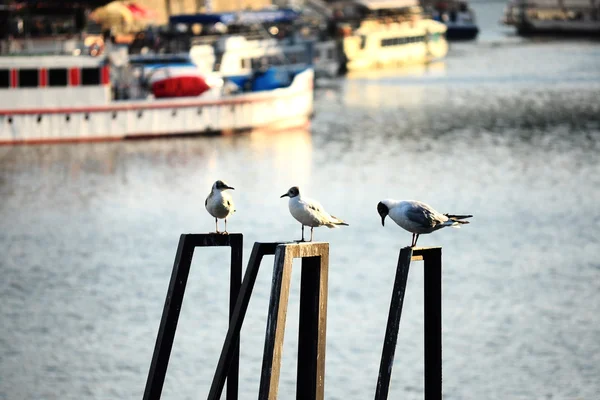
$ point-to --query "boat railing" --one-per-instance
(56, 45)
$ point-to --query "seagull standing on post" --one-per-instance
(309, 212)
(219, 203)
(417, 217)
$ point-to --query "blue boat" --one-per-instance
(458, 17)
(278, 16)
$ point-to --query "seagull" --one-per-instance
(219, 203)
(309, 212)
(417, 217)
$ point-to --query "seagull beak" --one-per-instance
(383, 220)
(284, 195)
(229, 187)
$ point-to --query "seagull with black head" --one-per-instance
(416, 217)
(309, 212)
(219, 203)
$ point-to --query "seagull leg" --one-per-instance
(417, 238)
(412, 242)
(225, 227)
(302, 240)
(311, 233)
(216, 226)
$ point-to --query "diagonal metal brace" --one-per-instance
(228, 355)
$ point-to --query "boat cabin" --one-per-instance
(360, 12)
(62, 81)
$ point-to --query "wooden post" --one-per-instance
(432, 257)
(313, 316)
(174, 301)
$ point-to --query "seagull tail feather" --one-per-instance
(457, 217)
(335, 221)
(455, 223)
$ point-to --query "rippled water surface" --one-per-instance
(506, 129)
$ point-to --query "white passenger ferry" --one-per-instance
(384, 33)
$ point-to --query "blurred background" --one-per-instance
(506, 128)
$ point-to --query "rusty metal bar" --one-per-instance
(313, 316)
(230, 350)
(174, 301)
(432, 257)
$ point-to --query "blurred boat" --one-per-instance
(553, 16)
(230, 42)
(56, 89)
(69, 98)
(384, 33)
(458, 17)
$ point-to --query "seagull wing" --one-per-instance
(318, 212)
(315, 209)
(423, 215)
(315, 206)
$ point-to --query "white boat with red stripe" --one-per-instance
(61, 98)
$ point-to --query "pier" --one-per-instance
(310, 382)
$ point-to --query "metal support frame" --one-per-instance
(174, 301)
(432, 257)
(313, 317)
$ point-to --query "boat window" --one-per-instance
(28, 78)
(4, 78)
(402, 41)
(57, 77)
(90, 76)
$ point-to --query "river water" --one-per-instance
(506, 129)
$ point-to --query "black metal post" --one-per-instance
(308, 328)
(230, 350)
(174, 301)
(432, 257)
(393, 324)
(433, 323)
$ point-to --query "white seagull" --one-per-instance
(417, 217)
(219, 203)
(309, 212)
